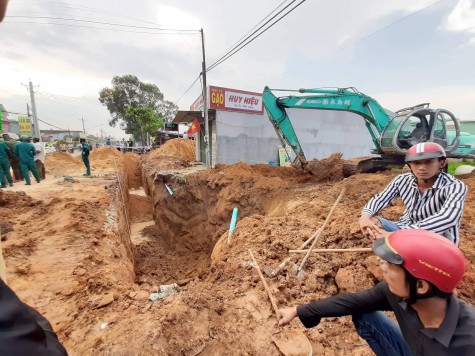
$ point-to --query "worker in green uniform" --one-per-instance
(85, 149)
(5, 165)
(14, 162)
(26, 153)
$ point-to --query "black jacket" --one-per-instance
(23, 331)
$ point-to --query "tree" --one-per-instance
(128, 91)
(146, 118)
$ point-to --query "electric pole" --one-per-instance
(33, 109)
(205, 102)
(83, 129)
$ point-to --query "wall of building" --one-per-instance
(252, 139)
(242, 137)
(468, 126)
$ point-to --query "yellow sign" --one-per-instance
(284, 156)
(24, 125)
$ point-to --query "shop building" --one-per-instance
(240, 130)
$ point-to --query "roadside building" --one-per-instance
(57, 135)
(240, 130)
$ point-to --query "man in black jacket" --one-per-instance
(421, 269)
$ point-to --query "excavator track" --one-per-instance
(362, 165)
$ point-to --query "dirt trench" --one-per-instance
(93, 281)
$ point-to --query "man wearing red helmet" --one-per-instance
(434, 200)
(421, 269)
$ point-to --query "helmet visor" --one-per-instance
(384, 250)
(423, 155)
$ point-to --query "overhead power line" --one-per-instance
(252, 29)
(102, 28)
(248, 39)
(91, 9)
(56, 127)
(101, 23)
(189, 88)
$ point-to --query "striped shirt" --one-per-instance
(438, 209)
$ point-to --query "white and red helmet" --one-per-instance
(424, 150)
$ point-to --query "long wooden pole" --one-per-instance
(327, 220)
(3, 267)
(323, 250)
(272, 301)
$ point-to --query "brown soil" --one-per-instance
(61, 164)
(69, 254)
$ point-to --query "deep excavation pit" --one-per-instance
(88, 254)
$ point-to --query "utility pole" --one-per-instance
(33, 109)
(205, 102)
(83, 129)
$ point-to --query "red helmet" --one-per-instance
(425, 255)
(424, 150)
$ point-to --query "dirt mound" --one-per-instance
(104, 153)
(179, 148)
(328, 168)
(60, 164)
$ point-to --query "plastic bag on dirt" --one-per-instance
(165, 291)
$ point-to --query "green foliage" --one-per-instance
(146, 118)
(128, 91)
(453, 165)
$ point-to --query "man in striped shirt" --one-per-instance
(434, 200)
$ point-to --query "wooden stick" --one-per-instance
(3, 267)
(322, 250)
(327, 220)
(274, 305)
(281, 266)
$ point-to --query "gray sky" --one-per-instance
(400, 52)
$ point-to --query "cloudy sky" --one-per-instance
(400, 52)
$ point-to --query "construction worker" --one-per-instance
(26, 153)
(421, 270)
(40, 157)
(85, 149)
(5, 165)
(14, 161)
(434, 200)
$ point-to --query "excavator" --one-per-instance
(391, 134)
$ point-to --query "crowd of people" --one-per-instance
(21, 157)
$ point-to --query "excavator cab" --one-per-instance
(418, 124)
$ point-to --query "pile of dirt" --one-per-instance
(180, 148)
(60, 164)
(105, 158)
(328, 168)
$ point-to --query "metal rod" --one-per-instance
(323, 250)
